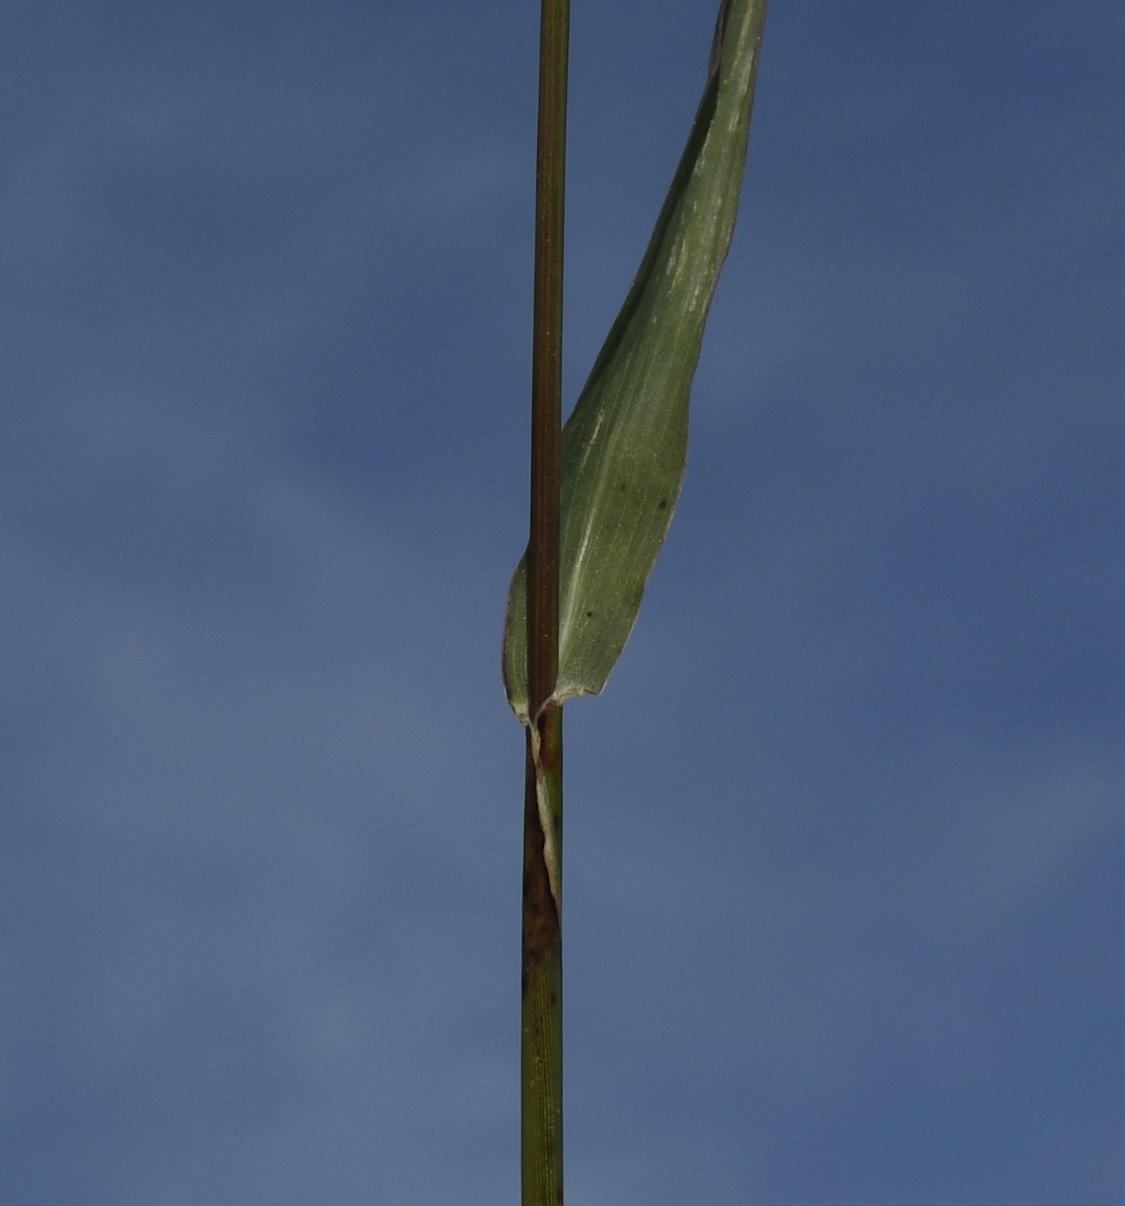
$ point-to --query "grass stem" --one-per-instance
(541, 1011)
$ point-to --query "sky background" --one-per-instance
(845, 838)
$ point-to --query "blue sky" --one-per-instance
(845, 834)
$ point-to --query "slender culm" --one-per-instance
(541, 979)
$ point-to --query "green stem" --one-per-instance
(541, 1014)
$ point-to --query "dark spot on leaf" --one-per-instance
(589, 615)
(662, 504)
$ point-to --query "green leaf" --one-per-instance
(625, 445)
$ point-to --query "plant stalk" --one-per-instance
(541, 1098)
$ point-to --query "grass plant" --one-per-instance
(603, 491)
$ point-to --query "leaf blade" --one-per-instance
(624, 447)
